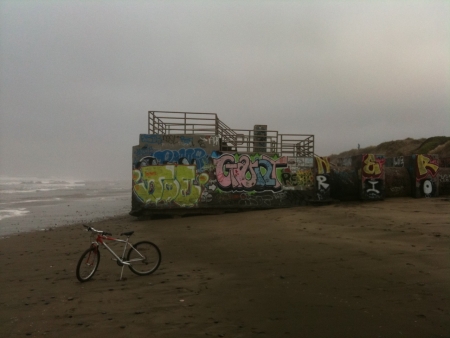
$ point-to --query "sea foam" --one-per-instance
(6, 213)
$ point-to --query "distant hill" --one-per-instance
(439, 145)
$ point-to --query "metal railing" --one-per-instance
(238, 140)
(164, 122)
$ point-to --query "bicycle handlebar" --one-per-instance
(103, 233)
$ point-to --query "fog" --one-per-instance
(77, 78)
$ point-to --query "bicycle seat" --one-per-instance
(128, 233)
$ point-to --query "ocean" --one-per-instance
(32, 203)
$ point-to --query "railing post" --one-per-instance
(148, 127)
(217, 126)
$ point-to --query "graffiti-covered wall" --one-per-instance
(424, 170)
(372, 175)
(359, 177)
(190, 171)
(323, 178)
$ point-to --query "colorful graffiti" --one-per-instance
(305, 178)
(163, 184)
(180, 171)
(323, 177)
(245, 172)
(372, 166)
(190, 155)
(301, 178)
(372, 175)
(427, 167)
(323, 165)
(196, 156)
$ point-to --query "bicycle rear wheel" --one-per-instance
(88, 264)
(144, 258)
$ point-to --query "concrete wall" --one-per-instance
(359, 177)
(398, 183)
(190, 172)
(423, 172)
(372, 177)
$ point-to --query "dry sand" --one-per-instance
(345, 270)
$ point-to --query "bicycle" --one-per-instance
(143, 258)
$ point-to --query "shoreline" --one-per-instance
(348, 269)
(40, 215)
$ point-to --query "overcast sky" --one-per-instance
(77, 78)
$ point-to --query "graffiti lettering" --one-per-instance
(186, 140)
(156, 184)
(323, 165)
(171, 139)
(322, 182)
(428, 188)
(289, 178)
(301, 178)
(397, 161)
(372, 166)
(323, 187)
(373, 183)
(239, 172)
(305, 178)
(214, 140)
(372, 189)
(444, 178)
(426, 165)
(182, 156)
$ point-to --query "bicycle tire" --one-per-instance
(88, 264)
(144, 258)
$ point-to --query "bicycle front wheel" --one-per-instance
(88, 264)
(144, 258)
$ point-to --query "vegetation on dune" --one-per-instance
(439, 145)
(431, 144)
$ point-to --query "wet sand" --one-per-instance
(376, 269)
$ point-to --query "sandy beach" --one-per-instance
(355, 269)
